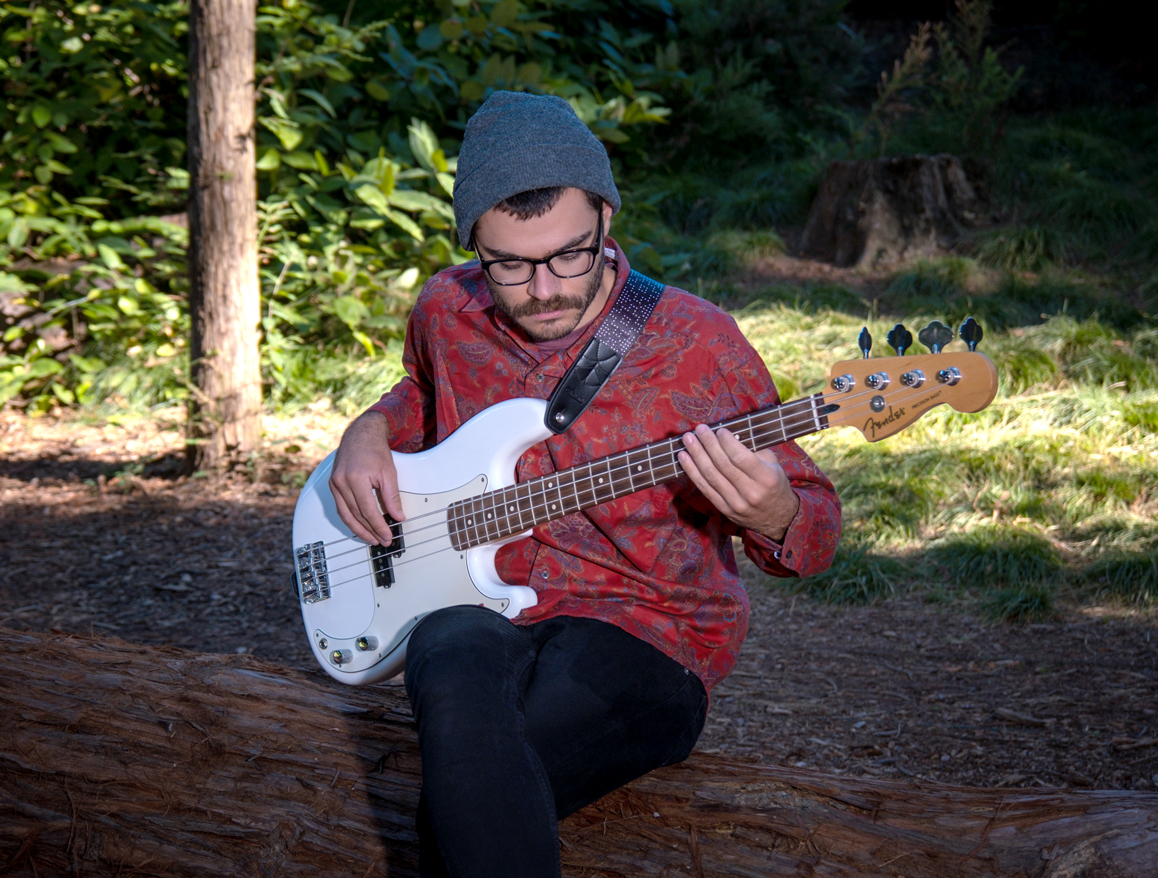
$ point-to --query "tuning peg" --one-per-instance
(865, 341)
(900, 339)
(971, 333)
(935, 336)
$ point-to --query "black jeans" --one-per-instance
(522, 725)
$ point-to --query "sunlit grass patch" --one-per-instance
(1041, 498)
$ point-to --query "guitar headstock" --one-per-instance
(881, 396)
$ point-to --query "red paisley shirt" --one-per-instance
(659, 563)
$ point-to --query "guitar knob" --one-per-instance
(900, 339)
(935, 336)
(865, 343)
(949, 376)
(914, 378)
(971, 333)
(843, 383)
(878, 380)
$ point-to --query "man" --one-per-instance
(640, 608)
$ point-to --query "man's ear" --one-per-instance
(607, 211)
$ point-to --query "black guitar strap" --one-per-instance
(603, 354)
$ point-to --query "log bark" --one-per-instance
(224, 293)
(878, 213)
(128, 760)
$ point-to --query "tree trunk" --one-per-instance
(127, 760)
(224, 295)
(877, 213)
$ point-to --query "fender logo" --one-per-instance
(872, 425)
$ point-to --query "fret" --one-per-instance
(521, 507)
(552, 500)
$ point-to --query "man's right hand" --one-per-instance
(363, 476)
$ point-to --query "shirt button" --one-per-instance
(776, 554)
(545, 575)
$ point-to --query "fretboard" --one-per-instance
(496, 515)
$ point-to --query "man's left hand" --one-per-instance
(750, 488)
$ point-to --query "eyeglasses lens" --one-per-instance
(573, 263)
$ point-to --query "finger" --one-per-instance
(363, 515)
(348, 512)
(705, 475)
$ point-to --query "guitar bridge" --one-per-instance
(313, 576)
(382, 557)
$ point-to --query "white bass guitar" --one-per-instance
(359, 603)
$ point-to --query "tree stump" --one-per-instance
(128, 760)
(872, 214)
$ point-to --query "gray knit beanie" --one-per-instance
(517, 142)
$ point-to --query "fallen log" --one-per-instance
(118, 759)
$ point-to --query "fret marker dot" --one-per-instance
(490, 515)
(510, 508)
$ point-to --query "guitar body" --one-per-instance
(359, 632)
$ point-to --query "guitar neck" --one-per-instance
(497, 515)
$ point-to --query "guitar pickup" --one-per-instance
(382, 557)
(312, 574)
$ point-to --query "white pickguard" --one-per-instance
(359, 633)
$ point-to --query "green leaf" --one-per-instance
(365, 341)
(374, 197)
(286, 131)
(350, 310)
(43, 367)
(111, 259)
(376, 90)
(73, 45)
(320, 100)
(269, 161)
(505, 13)
(451, 29)
(429, 38)
(423, 144)
(43, 174)
(408, 199)
(41, 115)
(88, 365)
(60, 143)
(406, 224)
(301, 160)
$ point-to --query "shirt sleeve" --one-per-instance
(812, 537)
(409, 406)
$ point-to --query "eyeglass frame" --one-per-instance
(485, 264)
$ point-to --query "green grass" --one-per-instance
(1047, 497)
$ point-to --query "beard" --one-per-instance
(531, 307)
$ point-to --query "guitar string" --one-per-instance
(773, 414)
(538, 489)
(798, 418)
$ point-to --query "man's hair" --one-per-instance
(536, 202)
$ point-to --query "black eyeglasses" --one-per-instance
(516, 270)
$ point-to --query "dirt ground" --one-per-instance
(99, 534)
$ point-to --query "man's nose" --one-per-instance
(543, 284)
